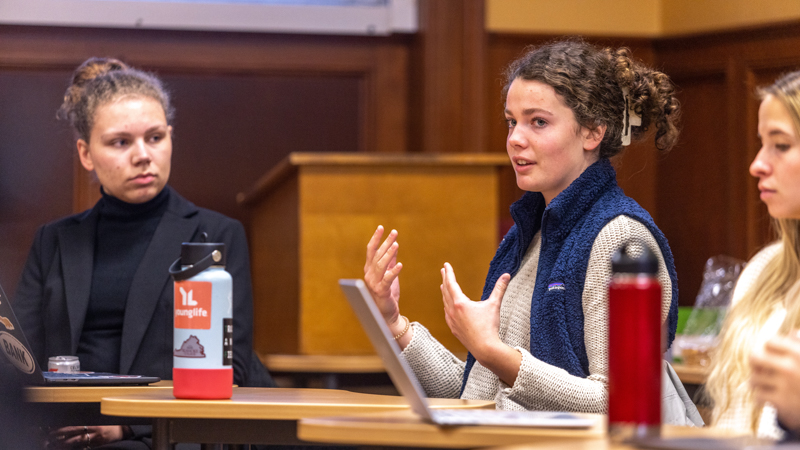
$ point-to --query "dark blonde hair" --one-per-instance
(590, 82)
(777, 285)
(100, 80)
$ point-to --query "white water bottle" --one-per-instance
(203, 323)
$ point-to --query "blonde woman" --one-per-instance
(766, 304)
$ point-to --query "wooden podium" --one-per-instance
(310, 219)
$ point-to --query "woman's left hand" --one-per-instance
(477, 325)
(776, 377)
(84, 437)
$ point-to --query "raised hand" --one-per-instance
(473, 323)
(775, 377)
(477, 325)
(381, 275)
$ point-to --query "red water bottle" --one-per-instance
(634, 335)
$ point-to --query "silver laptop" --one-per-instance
(406, 382)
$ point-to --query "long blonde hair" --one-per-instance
(778, 282)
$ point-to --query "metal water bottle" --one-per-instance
(203, 323)
(635, 337)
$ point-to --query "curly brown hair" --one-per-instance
(590, 81)
(100, 80)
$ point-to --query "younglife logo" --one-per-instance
(193, 310)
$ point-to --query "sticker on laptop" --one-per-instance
(15, 352)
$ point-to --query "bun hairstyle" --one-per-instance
(590, 82)
(100, 80)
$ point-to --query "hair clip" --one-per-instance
(630, 118)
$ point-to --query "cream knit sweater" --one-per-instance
(737, 417)
(540, 386)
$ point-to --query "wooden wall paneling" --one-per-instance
(441, 48)
(389, 80)
(712, 52)
(717, 117)
(381, 64)
(441, 31)
(692, 203)
(747, 58)
(233, 128)
(451, 48)
(275, 263)
(36, 159)
(474, 56)
(738, 135)
(697, 181)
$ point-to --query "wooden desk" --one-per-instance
(253, 415)
(406, 429)
(668, 432)
(326, 367)
(80, 405)
(324, 363)
(88, 394)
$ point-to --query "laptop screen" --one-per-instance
(371, 320)
(14, 345)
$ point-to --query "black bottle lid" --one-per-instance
(623, 262)
(194, 252)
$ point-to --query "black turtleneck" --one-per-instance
(124, 231)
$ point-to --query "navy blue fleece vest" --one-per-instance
(569, 227)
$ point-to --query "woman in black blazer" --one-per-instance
(96, 284)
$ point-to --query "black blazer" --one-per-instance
(53, 294)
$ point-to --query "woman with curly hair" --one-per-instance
(539, 340)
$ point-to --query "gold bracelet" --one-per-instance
(405, 330)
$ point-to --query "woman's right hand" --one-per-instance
(381, 275)
(775, 377)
